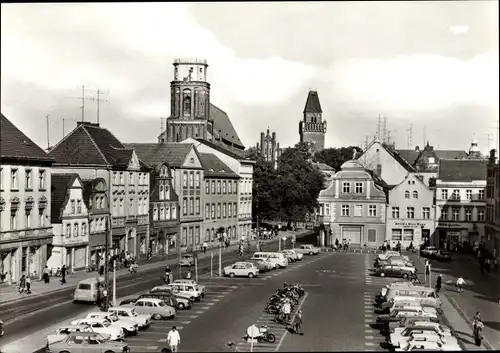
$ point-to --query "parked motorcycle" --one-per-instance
(265, 335)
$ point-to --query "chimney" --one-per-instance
(417, 149)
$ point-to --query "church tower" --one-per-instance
(312, 128)
(189, 103)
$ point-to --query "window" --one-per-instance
(41, 214)
(395, 212)
(327, 209)
(207, 211)
(162, 190)
(480, 215)
(455, 214)
(444, 194)
(207, 235)
(169, 211)
(224, 187)
(410, 212)
(481, 194)
(184, 237)
(184, 206)
(28, 179)
(229, 187)
(407, 194)
(122, 206)
(68, 230)
(13, 219)
(213, 211)
(13, 179)
(115, 178)
(185, 179)
(229, 210)
(397, 235)
(72, 203)
(455, 195)
(197, 234)
(131, 178)
(198, 180)
(79, 206)
(27, 219)
(41, 179)
(444, 213)
(223, 210)
(131, 206)
(218, 186)
(372, 236)
(83, 229)
(122, 179)
(426, 212)
(173, 210)
(372, 210)
(218, 210)
(415, 194)
(155, 213)
(198, 206)
(207, 187)
(346, 187)
(191, 179)
(359, 188)
(191, 206)
(431, 160)
(75, 230)
(235, 212)
(468, 194)
(213, 187)
(358, 210)
(468, 214)
(1, 178)
(235, 187)
(345, 210)
(408, 235)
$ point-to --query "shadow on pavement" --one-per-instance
(495, 325)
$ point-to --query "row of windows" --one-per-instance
(194, 206)
(28, 179)
(468, 215)
(165, 212)
(119, 178)
(29, 218)
(98, 225)
(119, 210)
(221, 187)
(164, 190)
(358, 210)
(77, 230)
(193, 231)
(410, 212)
(192, 179)
(99, 202)
(246, 185)
(78, 208)
(213, 211)
(407, 194)
(358, 187)
(455, 194)
(211, 234)
(402, 234)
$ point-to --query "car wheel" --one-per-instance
(250, 275)
(382, 274)
(66, 352)
(310, 252)
(231, 274)
(75, 301)
(157, 317)
(180, 306)
(405, 275)
(107, 352)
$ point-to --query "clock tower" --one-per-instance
(312, 128)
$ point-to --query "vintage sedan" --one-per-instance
(398, 314)
(308, 249)
(419, 344)
(128, 312)
(62, 332)
(187, 260)
(241, 269)
(293, 255)
(192, 282)
(401, 336)
(130, 327)
(428, 251)
(262, 265)
(157, 308)
(88, 342)
(102, 326)
(395, 271)
(442, 255)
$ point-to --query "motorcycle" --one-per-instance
(265, 335)
(2, 332)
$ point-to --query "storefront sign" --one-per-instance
(453, 233)
(449, 225)
(409, 224)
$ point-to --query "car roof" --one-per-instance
(93, 319)
(84, 334)
(73, 326)
(155, 300)
(187, 255)
(100, 313)
(426, 323)
(92, 280)
(121, 307)
(184, 281)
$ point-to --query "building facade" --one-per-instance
(269, 148)
(70, 222)
(492, 226)
(94, 152)
(220, 199)
(25, 204)
(410, 213)
(244, 168)
(164, 210)
(312, 128)
(187, 177)
(353, 207)
(460, 202)
(192, 114)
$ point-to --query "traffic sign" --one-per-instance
(253, 331)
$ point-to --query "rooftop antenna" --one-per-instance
(97, 99)
(388, 137)
(489, 140)
(378, 128)
(48, 140)
(425, 133)
(385, 129)
(82, 98)
(410, 134)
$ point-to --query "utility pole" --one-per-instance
(425, 137)
(106, 259)
(489, 140)
(389, 137)
(63, 126)
(48, 139)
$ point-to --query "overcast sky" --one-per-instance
(432, 64)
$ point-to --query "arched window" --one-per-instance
(407, 194)
(415, 194)
(75, 230)
(186, 102)
(161, 192)
(83, 229)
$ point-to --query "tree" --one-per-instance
(335, 157)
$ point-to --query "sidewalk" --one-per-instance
(455, 317)
(9, 293)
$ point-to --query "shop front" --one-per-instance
(406, 232)
(118, 242)
(141, 242)
(163, 235)
(97, 247)
(76, 256)
(453, 234)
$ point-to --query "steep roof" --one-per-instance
(312, 103)
(153, 154)
(60, 183)
(409, 155)
(324, 166)
(451, 154)
(214, 167)
(15, 144)
(462, 169)
(222, 122)
(90, 144)
(221, 149)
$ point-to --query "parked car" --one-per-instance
(385, 289)
(388, 254)
(293, 255)
(62, 332)
(127, 312)
(442, 255)
(399, 300)
(394, 260)
(241, 269)
(401, 335)
(428, 251)
(130, 327)
(201, 287)
(180, 303)
(102, 326)
(395, 271)
(299, 256)
(398, 314)
(387, 307)
(290, 257)
(262, 265)
(308, 249)
(407, 321)
(186, 290)
(187, 260)
(428, 345)
(157, 308)
(88, 342)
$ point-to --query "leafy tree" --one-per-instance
(335, 157)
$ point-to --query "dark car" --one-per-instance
(442, 255)
(394, 271)
(398, 314)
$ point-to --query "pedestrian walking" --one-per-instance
(63, 274)
(460, 283)
(297, 323)
(22, 284)
(205, 247)
(173, 339)
(45, 275)
(188, 275)
(287, 310)
(439, 281)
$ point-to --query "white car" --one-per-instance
(157, 308)
(293, 255)
(308, 249)
(388, 254)
(187, 260)
(129, 313)
(403, 334)
(103, 327)
(242, 269)
(187, 290)
(423, 343)
(201, 287)
(62, 332)
(129, 326)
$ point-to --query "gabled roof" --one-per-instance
(214, 167)
(153, 154)
(312, 103)
(222, 122)
(90, 144)
(462, 169)
(60, 183)
(221, 149)
(409, 155)
(403, 162)
(15, 144)
(451, 154)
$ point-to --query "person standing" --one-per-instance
(173, 339)
(28, 285)
(297, 323)
(46, 272)
(439, 283)
(63, 274)
(22, 284)
(205, 247)
(287, 309)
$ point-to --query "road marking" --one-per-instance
(366, 320)
(293, 317)
(368, 331)
(203, 307)
(368, 315)
(369, 344)
(200, 311)
(369, 337)
(211, 303)
(193, 316)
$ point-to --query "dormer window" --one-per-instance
(407, 194)
(346, 187)
(415, 194)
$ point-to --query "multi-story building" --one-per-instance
(187, 176)
(353, 206)
(220, 198)
(95, 195)
(244, 168)
(25, 228)
(94, 152)
(164, 210)
(312, 128)
(269, 148)
(460, 201)
(410, 212)
(492, 226)
(70, 222)
(191, 112)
